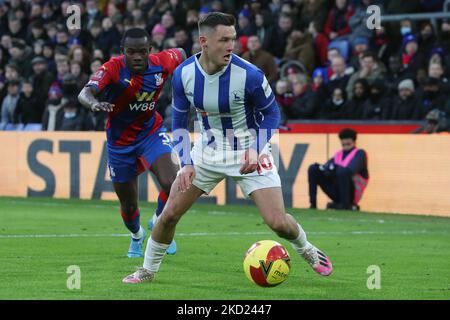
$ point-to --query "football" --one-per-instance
(267, 263)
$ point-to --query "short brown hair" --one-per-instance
(214, 19)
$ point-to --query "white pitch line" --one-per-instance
(209, 234)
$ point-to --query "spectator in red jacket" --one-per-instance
(320, 42)
(337, 24)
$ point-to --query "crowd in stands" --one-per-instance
(320, 57)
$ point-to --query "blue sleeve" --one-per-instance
(264, 102)
(180, 120)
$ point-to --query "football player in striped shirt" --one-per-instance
(128, 87)
(238, 115)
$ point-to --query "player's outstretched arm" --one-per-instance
(87, 99)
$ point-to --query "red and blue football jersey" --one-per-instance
(134, 95)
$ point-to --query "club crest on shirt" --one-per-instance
(159, 79)
(237, 96)
(98, 75)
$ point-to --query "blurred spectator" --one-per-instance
(284, 96)
(303, 99)
(435, 122)
(444, 36)
(51, 120)
(340, 75)
(427, 38)
(300, 46)
(438, 55)
(370, 70)
(48, 51)
(6, 43)
(179, 12)
(406, 105)
(69, 87)
(16, 28)
(335, 107)
(38, 47)
(276, 39)
(412, 59)
(74, 118)
(158, 36)
(93, 14)
(157, 10)
(12, 72)
(62, 68)
(109, 36)
(245, 26)
(360, 45)
(94, 32)
(168, 22)
(79, 54)
(192, 17)
(396, 74)
(313, 10)
(261, 26)
(320, 42)
(37, 32)
(261, 58)
(360, 94)
(436, 71)
(41, 79)
(377, 107)
(3, 88)
(431, 97)
(113, 12)
(337, 24)
(21, 55)
(9, 104)
(182, 40)
(95, 65)
(80, 76)
(28, 109)
(384, 44)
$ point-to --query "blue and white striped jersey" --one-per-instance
(229, 103)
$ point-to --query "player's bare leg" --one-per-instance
(127, 193)
(271, 206)
(178, 204)
(165, 170)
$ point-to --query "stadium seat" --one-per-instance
(33, 127)
(11, 127)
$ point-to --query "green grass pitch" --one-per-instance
(41, 238)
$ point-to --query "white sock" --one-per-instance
(154, 253)
(138, 234)
(154, 218)
(300, 242)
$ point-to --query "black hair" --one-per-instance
(369, 54)
(134, 33)
(348, 134)
(214, 19)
